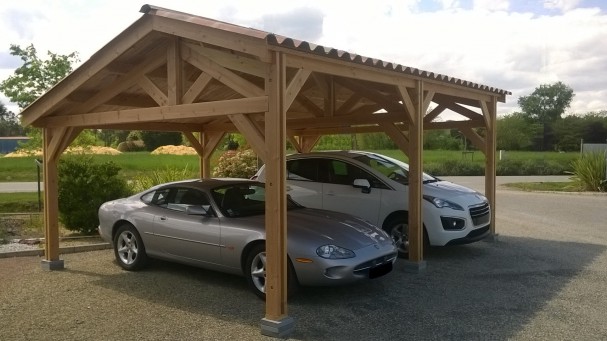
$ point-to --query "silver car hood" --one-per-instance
(332, 227)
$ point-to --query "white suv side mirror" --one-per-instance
(363, 184)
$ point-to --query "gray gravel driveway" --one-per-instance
(545, 278)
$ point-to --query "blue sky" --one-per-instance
(513, 45)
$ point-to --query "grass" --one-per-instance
(19, 202)
(544, 186)
(136, 163)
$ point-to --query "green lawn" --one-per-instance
(132, 164)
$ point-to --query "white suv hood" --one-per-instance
(454, 192)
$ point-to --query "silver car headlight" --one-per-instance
(334, 252)
(440, 203)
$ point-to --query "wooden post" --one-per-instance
(51, 204)
(490, 114)
(276, 322)
(205, 160)
(416, 129)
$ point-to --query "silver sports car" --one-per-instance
(218, 224)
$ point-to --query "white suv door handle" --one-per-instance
(331, 193)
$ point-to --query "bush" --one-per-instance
(589, 172)
(154, 139)
(159, 176)
(455, 168)
(83, 186)
(236, 164)
(131, 146)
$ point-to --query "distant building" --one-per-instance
(9, 144)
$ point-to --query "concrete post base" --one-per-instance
(280, 329)
(414, 267)
(50, 265)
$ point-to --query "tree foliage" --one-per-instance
(514, 132)
(547, 103)
(35, 76)
(9, 123)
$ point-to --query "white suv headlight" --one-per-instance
(441, 203)
(334, 252)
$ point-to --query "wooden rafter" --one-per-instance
(295, 86)
(477, 140)
(348, 105)
(232, 61)
(225, 76)
(429, 117)
(385, 101)
(397, 136)
(153, 62)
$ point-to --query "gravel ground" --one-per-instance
(544, 278)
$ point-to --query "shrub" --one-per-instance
(154, 139)
(131, 146)
(589, 172)
(83, 186)
(236, 164)
(159, 176)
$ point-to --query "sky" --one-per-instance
(515, 45)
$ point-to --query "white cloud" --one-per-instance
(487, 43)
(562, 5)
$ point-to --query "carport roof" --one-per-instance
(138, 48)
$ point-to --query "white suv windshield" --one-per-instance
(392, 168)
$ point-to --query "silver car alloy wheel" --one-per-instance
(400, 236)
(127, 247)
(258, 271)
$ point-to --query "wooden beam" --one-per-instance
(295, 86)
(225, 76)
(276, 201)
(310, 105)
(460, 110)
(197, 88)
(251, 133)
(490, 164)
(194, 142)
(174, 72)
(232, 61)
(346, 69)
(475, 138)
(349, 104)
(151, 89)
(228, 39)
(51, 140)
(294, 142)
(476, 123)
(386, 102)
(414, 105)
(154, 61)
(407, 103)
(308, 142)
(397, 136)
(173, 112)
(429, 117)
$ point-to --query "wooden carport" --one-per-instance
(172, 71)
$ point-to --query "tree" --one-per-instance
(34, 78)
(9, 123)
(545, 105)
(515, 133)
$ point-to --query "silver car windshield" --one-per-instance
(391, 168)
(241, 200)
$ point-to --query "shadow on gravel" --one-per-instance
(486, 290)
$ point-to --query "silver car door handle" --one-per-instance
(163, 218)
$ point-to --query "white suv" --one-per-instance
(374, 187)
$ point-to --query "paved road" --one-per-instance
(543, 278)
(476, 182)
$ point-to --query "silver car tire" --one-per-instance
(255, 271)
(129, 249)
